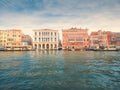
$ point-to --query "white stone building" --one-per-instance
(45, 39)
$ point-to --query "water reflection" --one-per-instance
(59, 70)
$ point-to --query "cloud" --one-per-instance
(59, 14)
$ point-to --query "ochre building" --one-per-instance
(13, 40)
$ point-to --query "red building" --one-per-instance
(100, 38)
(75, 38)
(115, 38)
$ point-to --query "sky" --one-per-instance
(29, 15)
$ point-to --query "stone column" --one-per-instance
(41, 47)
(45, 46)
(37, 46)
(56, 46)
(53, 46)
(49, 46)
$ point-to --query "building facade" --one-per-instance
(100, 38)
(27, 40)
(115, 38)
(13, 40)
(75, 38)
(3, 38)
(45, 39)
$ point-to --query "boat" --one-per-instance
(106, 48)
(89, 49)
(2, 48)
(59, 48)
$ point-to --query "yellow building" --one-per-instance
(14, 39)
(45, 39)
(3, 38)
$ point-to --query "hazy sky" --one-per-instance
(60, 14)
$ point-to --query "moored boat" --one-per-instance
(2, 48)
(107, 48)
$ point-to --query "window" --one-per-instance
(95, 41)
(35, 33)
(55, 33)
(48, 39)
(48, 33)
(55, 39)
(35, 39)
(44, 39)
(55, 46)
(71, 40)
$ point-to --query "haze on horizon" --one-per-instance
(28, 15)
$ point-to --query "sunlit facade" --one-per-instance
(3, 38)
(115, 38)
(100, 38)
(75, 38)
(14, 37)
(13, 40)
(45, 39)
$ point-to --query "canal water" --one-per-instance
(60, 70)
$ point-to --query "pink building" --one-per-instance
(75, 38)
(115, 38)
(100, 38)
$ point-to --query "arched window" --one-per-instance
(51, 46)
(35, 46)
(39, 46)
(47, 46)
(55, 46)
(43, 46)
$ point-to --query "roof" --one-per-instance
(94, 33)
(45, 30)
(74, 29)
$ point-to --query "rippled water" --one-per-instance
(60, 70)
